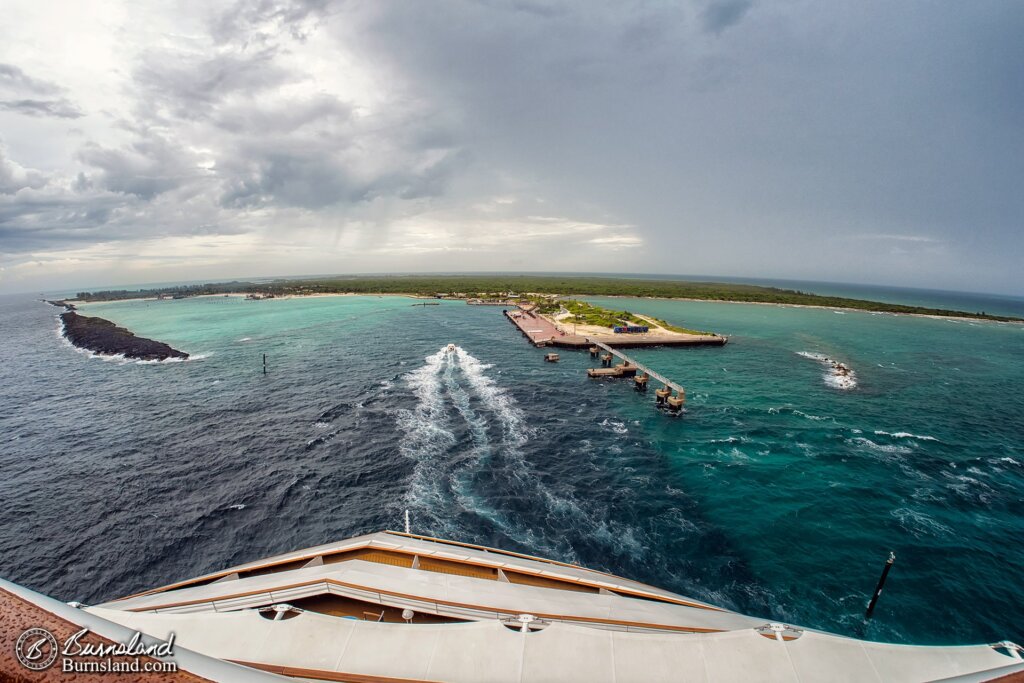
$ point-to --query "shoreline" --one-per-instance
(233, 295)
(840, 309)
(410, 295)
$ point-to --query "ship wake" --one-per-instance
(471, 479)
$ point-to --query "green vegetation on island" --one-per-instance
(584, 313)
(506, 286)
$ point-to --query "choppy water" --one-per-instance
(777, 494)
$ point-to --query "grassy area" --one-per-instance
(588, 314)
(494, 285)
(676, 328)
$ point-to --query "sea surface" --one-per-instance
(776, 494)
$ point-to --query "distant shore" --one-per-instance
(536, 289)
(933, 316)
(413, 295)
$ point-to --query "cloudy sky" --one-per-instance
(860, 141)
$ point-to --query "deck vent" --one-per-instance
(525, 623)
(779, 632)
(281, 610)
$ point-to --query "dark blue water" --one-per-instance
(777, 494)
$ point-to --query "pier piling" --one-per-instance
(675, 403)
(640, 382)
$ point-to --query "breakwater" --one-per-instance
(105, 338)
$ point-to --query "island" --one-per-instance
(105, 338)
(513, 289)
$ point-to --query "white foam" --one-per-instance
(837, 375)
(454, 390)
(905, 435)
(615, 426)
(918, 523)
(816, 418)
(497, 398)
(237, 506)
(883, 448)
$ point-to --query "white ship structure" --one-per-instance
(393, 607)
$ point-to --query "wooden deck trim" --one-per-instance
(448, 603)
(403, 551)
(324, 675)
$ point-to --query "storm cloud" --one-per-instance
(852, 141)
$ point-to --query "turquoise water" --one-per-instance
(776, 493)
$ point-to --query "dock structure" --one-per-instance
(543, 332)
(629, 368)
(641, 367)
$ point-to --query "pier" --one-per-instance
(542, 332)
(629, 368)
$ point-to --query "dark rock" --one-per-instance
(104, 337)
(61, 303)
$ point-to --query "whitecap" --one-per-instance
(817, 418)
(918, 523)
(883, 448)
(614, 425)
(905, 435)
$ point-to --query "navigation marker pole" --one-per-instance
(881, 584)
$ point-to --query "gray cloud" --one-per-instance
(23, 94)
(721, 14)
(147, 168)
(14, 178)
(260, 21)
(60, 108)
(15, 79)
(186, 86)
(705, 137)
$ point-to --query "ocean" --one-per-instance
(776, 494)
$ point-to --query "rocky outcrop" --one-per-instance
(104, 337)
(61, 304)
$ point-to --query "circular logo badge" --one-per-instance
(36, 649)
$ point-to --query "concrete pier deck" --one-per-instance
(542, 332)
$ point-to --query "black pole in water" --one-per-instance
(881, 584)
(264, 364)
